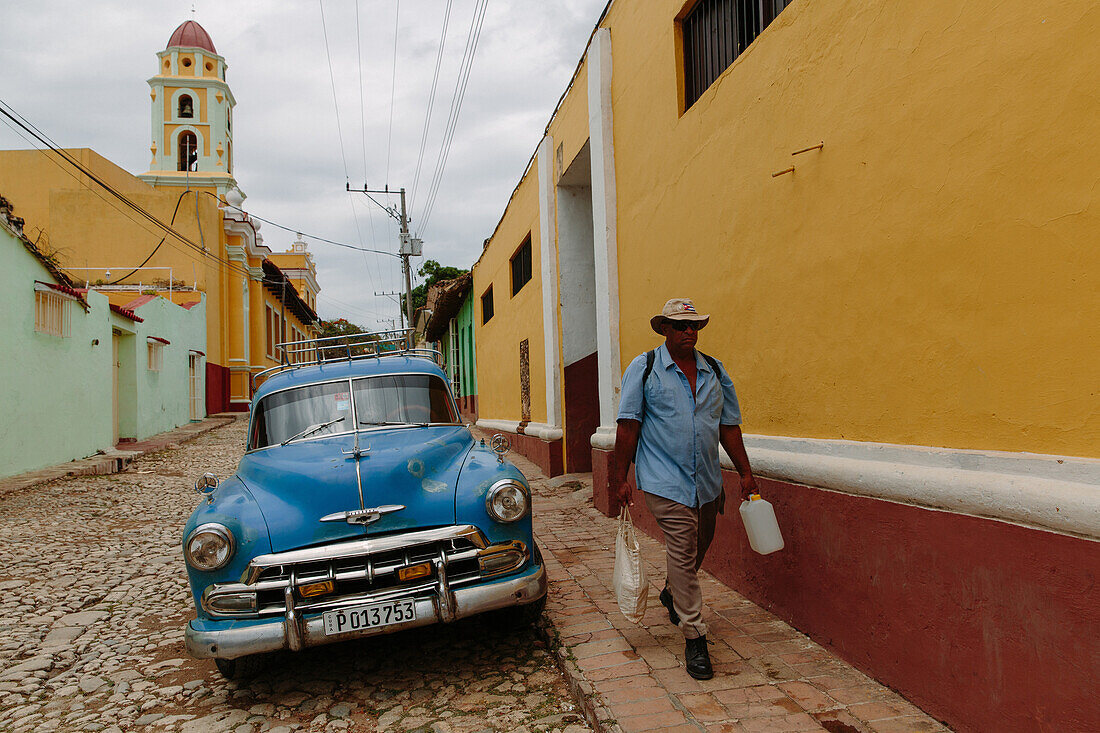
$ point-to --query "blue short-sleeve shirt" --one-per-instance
(678, 447)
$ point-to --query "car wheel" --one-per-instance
(522, 617)
(241, 667)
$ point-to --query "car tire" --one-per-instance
(522, 617)
(241, 667)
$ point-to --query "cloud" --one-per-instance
(78, 71)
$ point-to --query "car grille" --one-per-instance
(366, 574)
(364, 570)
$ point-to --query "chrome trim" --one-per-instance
(290, 622)
(241, 641)
(216, 528)
(369, 573)
(366, 546)
(495, 488)
(364, 516)
(515, 546)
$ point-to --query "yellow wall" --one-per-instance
(86, 227)
(930, 276)
(515, 318)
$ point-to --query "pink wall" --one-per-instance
(987, 625)
(547, 455)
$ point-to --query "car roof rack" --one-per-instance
(347, 348)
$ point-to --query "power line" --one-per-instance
(362, 107)
(393, 90)
(29, 127)
(295, 230)
(332, 80)
(466, 65)
(431, 100)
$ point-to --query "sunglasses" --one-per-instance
(683, 325)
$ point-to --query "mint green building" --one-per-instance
(78, 374)
(451, 327)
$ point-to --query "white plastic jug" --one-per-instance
(760, 525)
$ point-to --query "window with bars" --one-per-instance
(715, 32)
(521, 266)
(52, 313)
(454, 360)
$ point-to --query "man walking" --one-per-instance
(676, 405)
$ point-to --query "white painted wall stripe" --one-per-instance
(1059, 493)
(549, 262)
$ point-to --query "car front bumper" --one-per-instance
(230, 639)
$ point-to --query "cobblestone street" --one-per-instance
(94, 602)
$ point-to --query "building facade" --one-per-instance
(72, 203)
(887, 209)
(83, 373)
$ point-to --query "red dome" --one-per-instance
(191, 35)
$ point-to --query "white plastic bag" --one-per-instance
(629, 580)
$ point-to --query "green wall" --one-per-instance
(56, 393)
(162, 397)
(465, 323)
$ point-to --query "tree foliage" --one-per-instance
(341, 327)
(432, 272)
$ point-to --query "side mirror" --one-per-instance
(500, 445)
(206, 484)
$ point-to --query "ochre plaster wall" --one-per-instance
(515, 318)
(929, 277)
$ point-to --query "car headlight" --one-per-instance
(208, 547)
(507, 500)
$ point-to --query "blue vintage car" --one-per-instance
(362, 506)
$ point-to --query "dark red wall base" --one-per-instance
(545, 454)
(986, 625)
(582, 411)
(467, 408)
(217, 388)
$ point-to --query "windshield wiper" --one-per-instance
(311, 430)
(394, 422)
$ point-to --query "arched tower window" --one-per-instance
(186, 106)
(188, 152)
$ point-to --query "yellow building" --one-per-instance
(75, 205)
(889, 210)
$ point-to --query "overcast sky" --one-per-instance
(78, 71)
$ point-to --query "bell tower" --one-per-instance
(192, 114)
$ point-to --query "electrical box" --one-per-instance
(411, 246)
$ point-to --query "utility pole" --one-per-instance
(410, 246)
(399, 311)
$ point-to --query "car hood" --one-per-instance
(297, 484)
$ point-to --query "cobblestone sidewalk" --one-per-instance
(117, 458)
(94, 600)
(768, 676)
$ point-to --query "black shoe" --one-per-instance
(698, 659)
(666, 601)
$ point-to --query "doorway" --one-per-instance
(577, 290)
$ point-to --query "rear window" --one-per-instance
(341, 407)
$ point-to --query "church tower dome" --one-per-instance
(192, 114)
(191, 35)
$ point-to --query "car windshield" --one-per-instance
(402, 398)
(326, 409)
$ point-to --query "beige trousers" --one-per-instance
(688, 532)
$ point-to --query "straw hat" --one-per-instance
(678, 309)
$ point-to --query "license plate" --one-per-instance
(359, 618)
